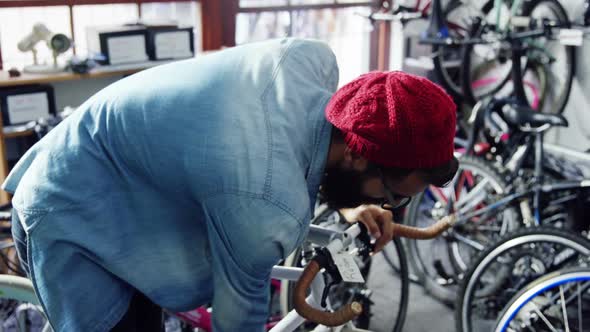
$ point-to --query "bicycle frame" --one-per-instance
(334, 241)
(337, 241)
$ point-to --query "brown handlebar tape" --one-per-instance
(425, 233)
(340, 317)
(351, 310)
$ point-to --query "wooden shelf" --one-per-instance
(98, 72)
(19, 134)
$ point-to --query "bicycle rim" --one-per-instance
(553, 302)
(447, 59)
(440, 262)
(507, 266)
(557, 60)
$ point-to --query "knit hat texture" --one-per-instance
(395, 119)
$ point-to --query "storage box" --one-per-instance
(170, 43)
(26, 103)
(118, 44)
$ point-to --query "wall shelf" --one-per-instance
(98, 72)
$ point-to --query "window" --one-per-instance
(184, 13)
(333, 21)
(96, 15)
(17, 22)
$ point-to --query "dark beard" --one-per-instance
(343, 189)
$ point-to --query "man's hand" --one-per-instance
(379, 222)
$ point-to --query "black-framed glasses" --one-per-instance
(393, 201)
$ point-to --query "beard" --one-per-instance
(342, 188)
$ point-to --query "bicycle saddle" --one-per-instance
(518, 115)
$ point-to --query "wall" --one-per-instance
(74, 93)
(577, 135)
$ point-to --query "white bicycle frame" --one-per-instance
(337, 242)
(22, 289)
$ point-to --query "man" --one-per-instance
(184, 184)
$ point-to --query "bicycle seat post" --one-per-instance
(538, 176)
(517, 52)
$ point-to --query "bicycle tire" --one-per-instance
(402, 266)
(531, 290)
(569, 52)
(21, 289)
(500, 82)
(485, 258)
(418, 251)
(449, 76)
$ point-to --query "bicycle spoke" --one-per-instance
(580, 310)
(543, 318)
(438, 194)
(473, 244)
(584, 288)
(563, 310)
(494, 229)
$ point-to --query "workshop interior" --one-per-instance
(132, 129)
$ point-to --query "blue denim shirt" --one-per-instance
(187, 182)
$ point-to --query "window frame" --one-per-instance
(71, 3)
(379, 39)
(218, 21)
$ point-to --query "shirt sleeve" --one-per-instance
(248, 236)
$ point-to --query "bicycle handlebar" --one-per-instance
(351, 310)
(340, 317)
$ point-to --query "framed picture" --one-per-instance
(26, 103)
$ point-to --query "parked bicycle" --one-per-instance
(559, 301)
(332, 262)
(448, 29)
(507, 266)
(523, 185)
(533, 61)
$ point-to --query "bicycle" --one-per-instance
(555, 302)
(499, 197)
(19, 307)
(446, 31)
(505, 267)
(332, 261)
(388, 290)
(536, 59)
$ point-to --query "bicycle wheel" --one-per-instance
(19, 307)
(447, 58)
(558, 61)
(440, 263)
(512, 262)
(547, 67)
(559, 301)
(384, 305)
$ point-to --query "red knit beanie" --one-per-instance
(395, 119)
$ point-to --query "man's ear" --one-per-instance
(355, 161)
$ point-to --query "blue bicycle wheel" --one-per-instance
(559, 301)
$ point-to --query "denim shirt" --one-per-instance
(187, 182)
